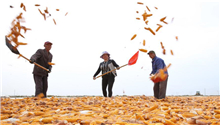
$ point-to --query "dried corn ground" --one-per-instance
(112, 111)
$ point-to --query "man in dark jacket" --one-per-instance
(157, 64)
(42, 57)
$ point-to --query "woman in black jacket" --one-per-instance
(108, 79)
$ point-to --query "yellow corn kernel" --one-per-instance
(188, 115)
(143, 50)
(38, 113)
(133, 36)
(47, 120)
(217, 111)
(50, 63)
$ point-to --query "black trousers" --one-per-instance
(107, 80)
(41, 85)
(160, 89)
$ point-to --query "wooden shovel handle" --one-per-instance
(34, 63)
(110, 71)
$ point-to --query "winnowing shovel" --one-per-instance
(15, 51)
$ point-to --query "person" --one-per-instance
(42, 57)
(157, 64)
(108, 79)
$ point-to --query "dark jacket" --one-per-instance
(42, 57)
(107, 66)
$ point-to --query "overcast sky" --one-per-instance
(91, 27)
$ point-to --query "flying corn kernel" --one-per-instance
(46, 10)
(137, 12)
(25, 29)
(37, 4)
(164, 51)
(164, 22)
(44, 16)
(19, 16)
(20, 43)
(21, 5)
(133, 36)
(148, 8)
(146, 22)
(54, 22)
(9, 35)
(50, 63)
(66, 13)
(143, 42)
(162, 19)
(138, 18)
(159, 26)
(40, 11)
(144, 16)
(143, 50)
(57, 9)
(24, 8)
(150, 30)
(176, 38)
(140, 3)
(148, 15)
(21, 35)
(155, 7)
(171, 51)
(161, 45)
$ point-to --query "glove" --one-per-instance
(32, 61)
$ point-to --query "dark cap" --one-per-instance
(47, 42)
(151, 52)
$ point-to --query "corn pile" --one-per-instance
(128, 110)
